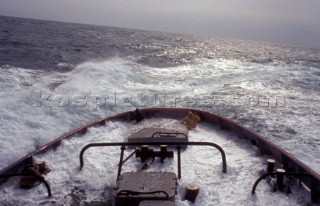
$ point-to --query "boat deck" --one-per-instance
(94, 184)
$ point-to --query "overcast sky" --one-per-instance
(280, 21)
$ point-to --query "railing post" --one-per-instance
(179, 161)
(120, 161)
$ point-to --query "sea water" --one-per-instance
(57, 76)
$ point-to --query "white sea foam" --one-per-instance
(201, 165)
(36, 107)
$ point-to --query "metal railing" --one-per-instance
(39, 177)
(178, 144)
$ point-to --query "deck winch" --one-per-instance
(145, 153)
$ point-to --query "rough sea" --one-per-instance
(57, 76)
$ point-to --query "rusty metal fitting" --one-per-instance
(192, 192)
(271, 163)
(280, 177)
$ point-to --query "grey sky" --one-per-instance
(280, 21)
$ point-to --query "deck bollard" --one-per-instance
(192, 192)
(280, 177)
(270, 167)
